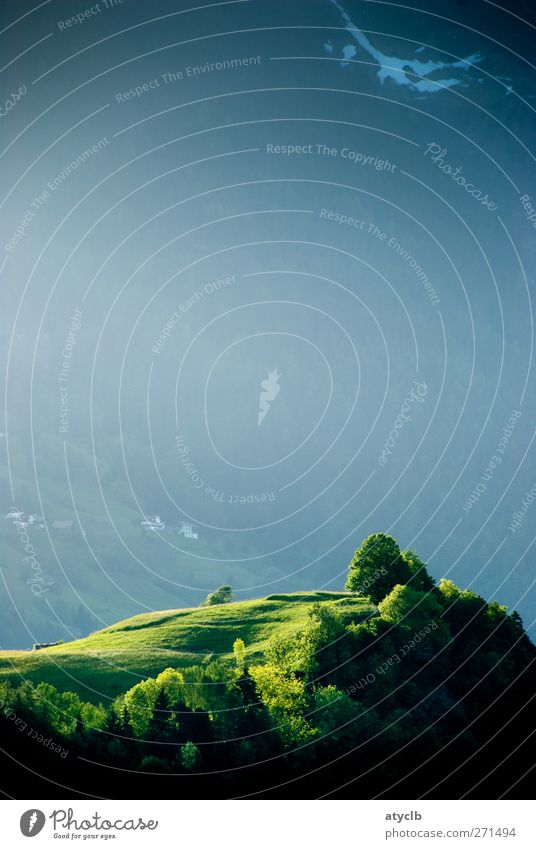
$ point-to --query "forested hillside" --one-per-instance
(398, 688)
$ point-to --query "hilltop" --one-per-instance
(112, 660)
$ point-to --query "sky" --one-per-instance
(267, 269)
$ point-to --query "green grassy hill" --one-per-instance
(111, 661)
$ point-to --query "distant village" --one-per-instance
(25, 520)
(155, 524)
(151, 524)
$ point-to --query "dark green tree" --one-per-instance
(377, 567)
(113, 725)
(411, 608)
(159, 727)
(419, 579)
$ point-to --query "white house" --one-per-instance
(187, 531)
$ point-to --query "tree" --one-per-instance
(342, 722)
(140, 701)
(113, 725)
(59, 711)
(322, 642)
(92, 716)
(285, 697)
(159, 728)
(189, 755)
(222, 595)
(239, 651)
(172, 683)
(125, 722)
(407, 606)
(152, 763)
(377, 567)
(419, 579)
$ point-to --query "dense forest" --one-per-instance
(430, 696)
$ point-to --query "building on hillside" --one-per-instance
(35, 519)
(23, 520)
(187, 531)
(153, 523)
